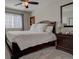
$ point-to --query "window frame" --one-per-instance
(18, 14)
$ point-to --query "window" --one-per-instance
(13, 20)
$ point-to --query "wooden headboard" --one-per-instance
(50, 23)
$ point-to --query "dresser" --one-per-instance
(65, 42)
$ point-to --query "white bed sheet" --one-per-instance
(26, 39)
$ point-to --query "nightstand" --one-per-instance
(65, 42)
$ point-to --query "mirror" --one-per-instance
(67, 15)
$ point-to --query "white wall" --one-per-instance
(27, 20)
(49, 10)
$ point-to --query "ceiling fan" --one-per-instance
(26, 2)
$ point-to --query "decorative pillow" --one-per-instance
(33, 26)
(38, 27)
(49, 29)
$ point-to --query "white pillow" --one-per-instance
(33, 26)
(49, 29)
(38, 27)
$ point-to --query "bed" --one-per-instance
(24, 42)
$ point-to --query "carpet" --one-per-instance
(47, 53)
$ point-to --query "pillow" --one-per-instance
(38, 27)
(32, 27)
(49, 29)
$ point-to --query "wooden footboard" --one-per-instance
(17, 53)
(14, 49)
(36, 48)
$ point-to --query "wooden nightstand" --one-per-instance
(65, 42)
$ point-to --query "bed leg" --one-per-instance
(13, 57)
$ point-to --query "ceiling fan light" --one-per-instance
(25, 3)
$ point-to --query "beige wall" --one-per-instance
(49, 10)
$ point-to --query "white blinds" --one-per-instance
(13, 20)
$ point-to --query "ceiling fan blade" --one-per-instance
(31, 2)
(25, 0)
(18, 4)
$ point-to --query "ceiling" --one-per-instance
(11, 4)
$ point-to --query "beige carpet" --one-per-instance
(47, 53)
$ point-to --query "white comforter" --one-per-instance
(26, 39)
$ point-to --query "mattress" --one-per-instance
(26, 39)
